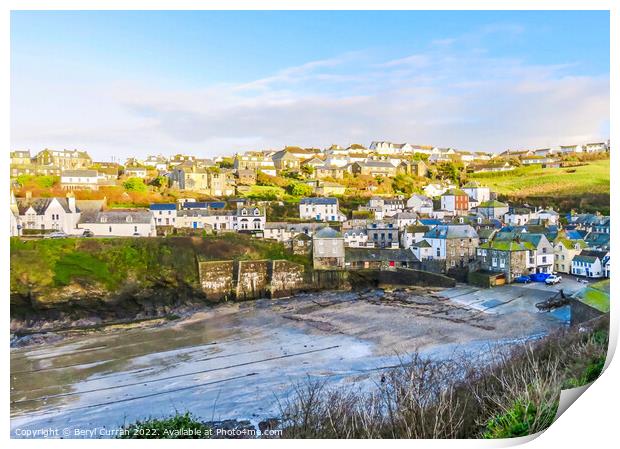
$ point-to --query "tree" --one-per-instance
(307, 169)
(226, 162)
(135, 185)
(299, 189)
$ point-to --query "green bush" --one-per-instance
(135, 185)
(522, 419)
(179, 426)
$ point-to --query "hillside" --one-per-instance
(584, 187)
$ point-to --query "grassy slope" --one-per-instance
(536, 181)
(49, 264)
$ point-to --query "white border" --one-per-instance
(590, 422)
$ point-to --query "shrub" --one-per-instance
(183, 426)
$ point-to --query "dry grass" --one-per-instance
(511, 393)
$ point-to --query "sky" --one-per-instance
(134, 83)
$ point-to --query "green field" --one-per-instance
(592, 178)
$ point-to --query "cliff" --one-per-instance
(62, 281)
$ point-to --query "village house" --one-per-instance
(79, 180)
(511, 257)
(565, 251)
(383, 234)
(44, 214)
(413, 168)
(328, 250)
(491, 167)
(548, 216)
(245, 177)
(517, 216)
(165, 213)
(328, 188)
(135, 172)
(356, 237)
(255, 161)
(329, 171)
(320, 209)
(159, 162)
(455, 201)
(493, 209)
(455, 245)
(474, 190)
(422, 250)
(404, 219)
(282, 231)
(207, 219)
(373, 168)
(379, 259)
(64, 159)
(544, 257)
(412, 234)
(120, 223)
(300, 244)
(250, 219)
(420, 204)
(434, 190)
(589, 263)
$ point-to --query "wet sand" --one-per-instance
(242, 360)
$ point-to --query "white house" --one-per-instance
(219, 220)
(283, 231)
(120, 223)
(165, 213)
(250, 218)
(432, 190)
(135, 172)
(589, 264)
(518, 216)
(420, 204)
(320, 209)
(549, 215)
(59, 214)
(356, 238)
(404, 219)
(477, 192)
(80, 179)
(412, 234)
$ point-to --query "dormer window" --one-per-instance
(128, 219)
(103, 219)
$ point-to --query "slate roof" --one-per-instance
(319, 201)
(80, 173)
(510, 245)
(451, 232)
(327, 233)
(492, 203)
(40, 205)
(379, 255)
(163, 206)
(119, 216)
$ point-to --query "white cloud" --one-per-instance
(441, 96)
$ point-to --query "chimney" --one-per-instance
(71, 202)
(28, 195)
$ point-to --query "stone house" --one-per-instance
(83, 180)
(329, 171)
(282, 231)
(513, 257)
(328, 250)
(64, 159)
(373, 168)
(453, 244)
(383, 234)
(379, 259)
(300, 244)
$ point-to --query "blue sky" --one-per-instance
(218, 82)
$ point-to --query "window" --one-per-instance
(438, 252)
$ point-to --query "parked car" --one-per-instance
(523, 279)
(553, 279)
(56, 235)
(539, 277)
(88, 233)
